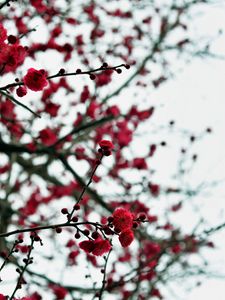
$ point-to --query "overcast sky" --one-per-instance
(197, 97)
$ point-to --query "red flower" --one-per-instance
(122, 219)
(59, 291)
(48, 137)
(35, 80)
(101, 247)
(40, 7)
(85, 94)
(106, 145)
(92, 109)
(156, 293)
(3, 170)
(15, 57)
(126, 237)
(87, 246)
(51, 109)
(11, 55)
(139, 163)
(154, 189)
(176, 249)
(2, 297)
(34, 296)
(113, 110)
(104, 78)
(97, 247)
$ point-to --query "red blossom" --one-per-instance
(39, 5)
(151, 248)
(92, 109)
(126, 237)
(176, 249)
(97, 247)
(15, 57)
(106, 145)
(122, 219)
(7, 109)
(2, 297)
(4, 169)
(85, 94)
(59, 291)
(124, 137)
(48, 137)
(156, 293)
(101, 247)
(139, 163)
(35, 80)
(51, 109)
(72, 256)
(87, 246)
(113, 110)
(34, 296)
(154, 189)
(104, 78)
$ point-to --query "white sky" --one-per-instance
(196, 97)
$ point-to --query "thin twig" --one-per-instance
(27, 262)
(98, 162)
(104, 276)
(51, 226)
(18, 103)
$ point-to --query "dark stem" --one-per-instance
(27, 261)
(104, 276)
(70, 215)
(53, 226)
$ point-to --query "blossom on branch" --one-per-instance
(97, 247)
(126, 237)
(35, 80)
(48, 137)
(106, 147)
(122, 219)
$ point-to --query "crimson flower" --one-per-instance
(35, 80)
(126, 237)
(122, 219)
(48, 137)
(87, 246)
(34, 296)
(106, 147)
(59, 291)
(101, 247)
(97, 247)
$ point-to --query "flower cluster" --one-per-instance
(97, 247)
(12, 54)
(123, 223)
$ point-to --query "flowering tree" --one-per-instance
(78, 199)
